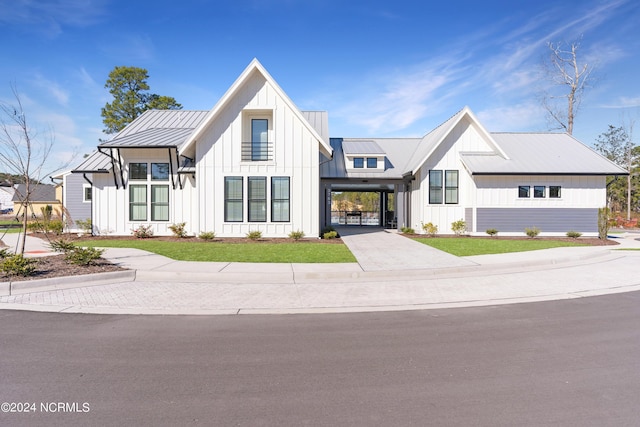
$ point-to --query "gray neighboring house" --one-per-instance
(42, 195)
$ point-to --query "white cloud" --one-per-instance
(53, 88)
(516, 118)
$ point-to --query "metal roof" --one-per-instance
(319, 120)
(157, 128)
(398, 153)
(361, 147)
(97, 162)
(540, 154)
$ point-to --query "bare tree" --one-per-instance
(22, 153)
(569, 77)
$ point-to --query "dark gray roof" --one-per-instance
(540, 154)
(39, 193)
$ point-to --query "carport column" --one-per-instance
(325, 205)
(400, 205)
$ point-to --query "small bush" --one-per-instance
(207, 235)
(430, 229)
(330, 235)
(407, 230)
(328, 229)
(254, 235)
(85, 225)
(491, 232)
(179, 230)
(18, 265)
(574, 234)
(532, 232)
(84, 256)
(143, 232)
(296, 235)
(459, 227)
(61, 245)
(54, 226)
(4, 253)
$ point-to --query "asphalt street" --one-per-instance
(569, 362)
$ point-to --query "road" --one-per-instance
(571, 362)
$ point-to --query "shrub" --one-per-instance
(84, 256)
(143, 232)
(207, 235)
(254, 235)
(459, 227)
(18, 265)
(54, 226)
(179, 230)
(296, 235)
(407, 230)
(85, 226)
(330, 235)
(327, 230)
(491, 231)
(61, 245)
(532, 232)
(574, 234)
(430, 229)
(4, 253)
(603, 223)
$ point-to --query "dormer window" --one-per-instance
(358, 162)
(372, 163)
(363, 154)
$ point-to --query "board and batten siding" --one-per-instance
(73, 199)
(295, 155)
(548, 220)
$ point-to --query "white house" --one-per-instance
(256, 162)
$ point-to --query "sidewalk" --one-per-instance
(164, 286)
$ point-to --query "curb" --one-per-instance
(66, 282)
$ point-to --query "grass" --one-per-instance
(10, 230)
(465, 246)
(236, 252)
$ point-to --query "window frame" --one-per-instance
(134, 203)
(539, 191)
(451, 188)
(155, 166)
(155, 204)
(373, 160)
(555, 191)
(256, 206)
(275, 200)
(358, 162)
(135, 177)
(229, 200)
(436, 190)
(520, 193)
(262, 146)
(86, 187)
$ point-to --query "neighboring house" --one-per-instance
(256, 162)
(6, 197)
(42, 196)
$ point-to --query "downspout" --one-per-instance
(84, 175)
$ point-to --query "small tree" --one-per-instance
(603, 223)
(23, 153)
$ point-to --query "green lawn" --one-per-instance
(468, 246)
(300, 252)
(9, 222)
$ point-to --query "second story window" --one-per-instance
(259, 139)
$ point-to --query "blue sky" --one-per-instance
(380, 68)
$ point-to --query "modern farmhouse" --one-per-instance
(256, 162)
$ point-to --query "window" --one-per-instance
(280, 199)
(372, 162)
(358, 162)
(257, 199)
(159, 171)
(87, 193)
(259, 139)
(523, 191)
(554, 191)
(539, 191)
(138, 171)
(233, 199)
(451, 187)
(435, 187)
(137, 202)
(159, 203)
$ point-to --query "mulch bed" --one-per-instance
(56, 266)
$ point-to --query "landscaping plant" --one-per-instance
(491, 232)
(603, 223)
(83, 256)
(430, 229)
(532, 232)
(254, 235)
(143, 232)
(179, 230)
(296, 235)
(207, 235)
(459, 227)
(574, 234)
(18, 265)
